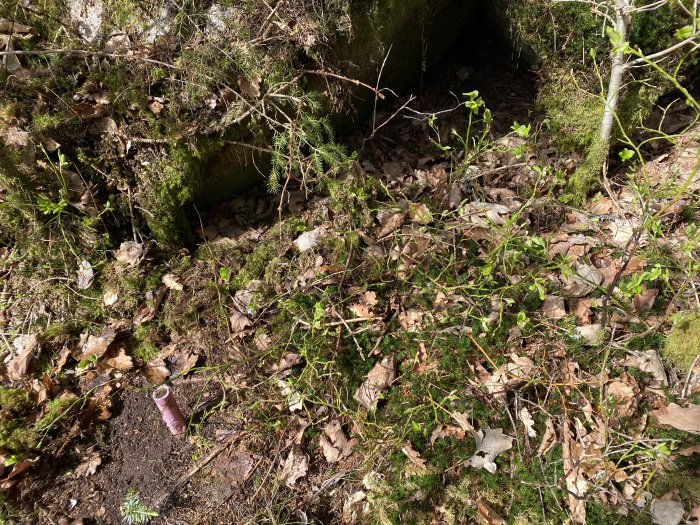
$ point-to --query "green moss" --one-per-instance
(683, 343)
(58, 409)
(574, 112)
(14, 401)
(16, 435)
(588, 175)
(146, 339)
(255, 265)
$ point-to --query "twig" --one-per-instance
(163, 497)
(689, 376)
(346, 79)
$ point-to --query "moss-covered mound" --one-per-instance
(683, 343)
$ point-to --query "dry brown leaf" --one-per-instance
(413, 456)
(334, 443)
(489, 445)
(369, 299)
(156, 372)
(645, 300)
(685, 418)
(378, 380)
(8, 27)
(147, 310)
(235, 468)
(528, 422)
(171, 282)
(284, 367)
(420, 363)
(97, 345)
(625, 392)
(130, 253)
(355, 507)
(553, 307)
(576, 485)
(360, 311)
(462, 420)
(239, 322)
(250, 86)
(294, 467)
(89, 466)
(689, 451)
(117, 358)
(549, 439)
(487, 514)
(389, 224)
(420, 213)
(411, 321)
(28, 347)
(586, 278)
(443, 431)
(648, 361)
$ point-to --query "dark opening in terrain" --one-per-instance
(398, 130)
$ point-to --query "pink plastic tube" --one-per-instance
(170, 411)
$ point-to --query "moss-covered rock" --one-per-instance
(683, 343)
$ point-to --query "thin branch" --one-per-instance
(346, 79)
(690, 40)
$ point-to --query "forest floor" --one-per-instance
(432, 338)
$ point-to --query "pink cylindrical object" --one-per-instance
(168, 408)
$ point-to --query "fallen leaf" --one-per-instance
(553, 307)
(118, 359)
(288, 361)
(489, 445)
(549, 439)
(355, 507)
(239, 322)
(689, 451)
(294, 467)
(235, 468)
(360, 311)
(413, 456)
(170, 281)
(156, 372)
(109, 298)
(88, 111)
(686, 418)
(463, 421)
(576, 485)
(29, 347)
(310, 239)
(666, 512)
(147, 310)
(411, 321)
(420, 213)
(389, 224)
(624, 392)
(586, 278)
(645, 300)
(334, 443)
(97, 345)
(130, 253)
(590, 334)
(378, 380)
(443, 431)
(250, 86)
(648, 361)
(9, 27)
(487, 514)
(85, 275)
(89, 466)
(528, 422)
(420, 363)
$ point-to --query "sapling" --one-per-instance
(133, 511)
